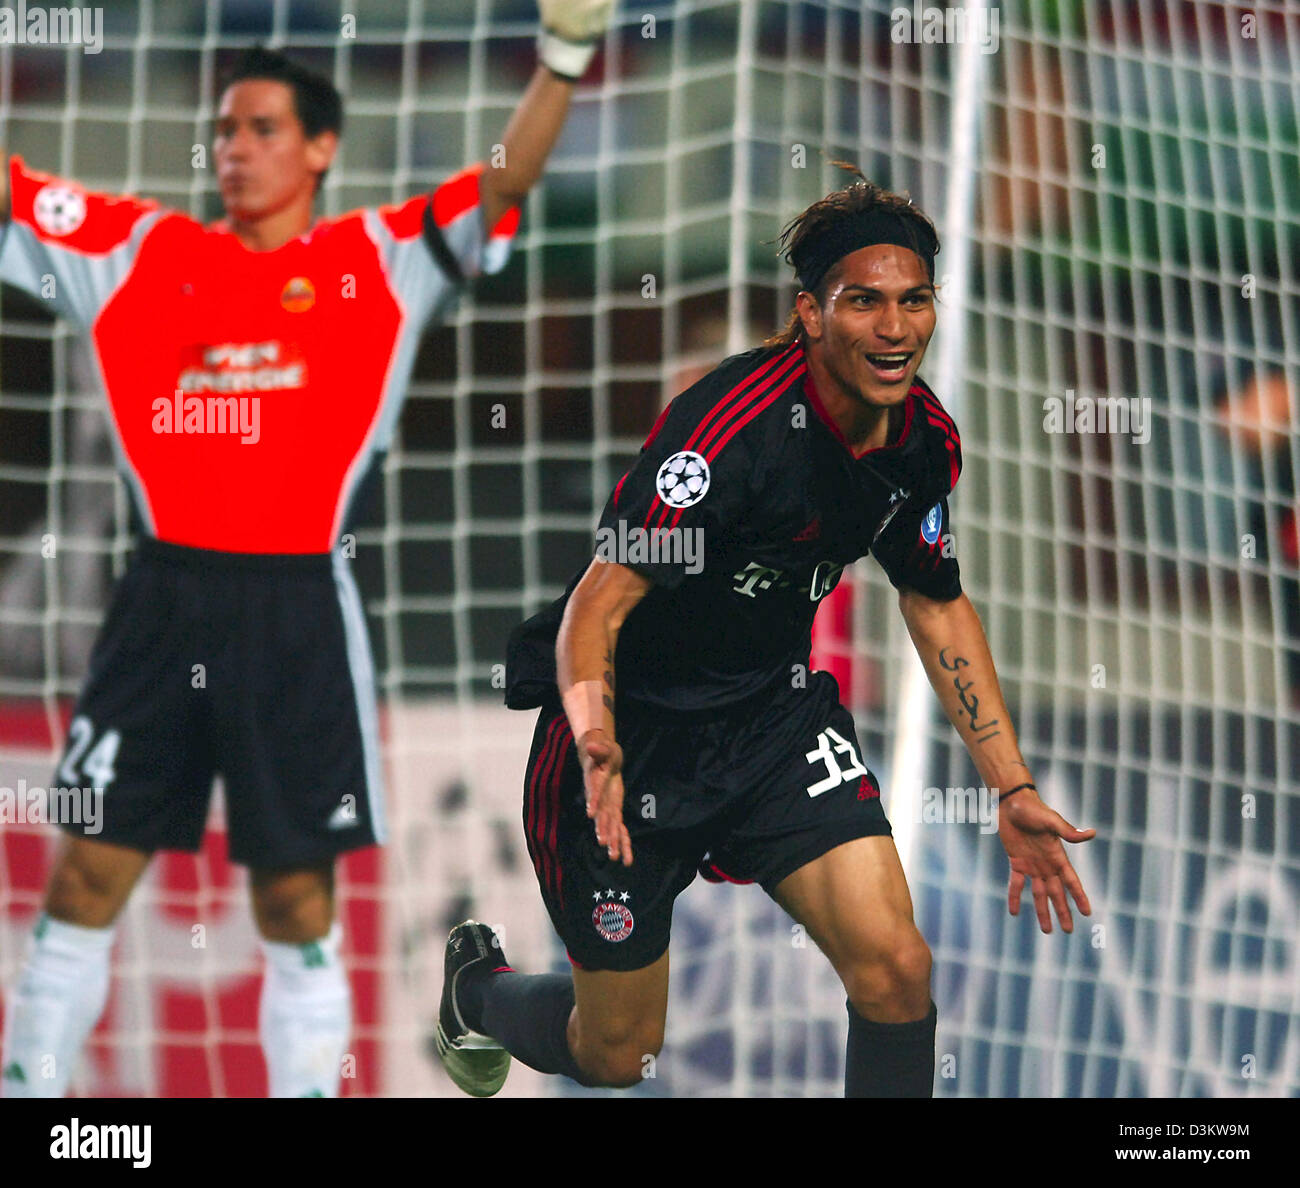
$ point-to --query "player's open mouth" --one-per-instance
(892, 367)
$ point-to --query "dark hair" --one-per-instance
(316, 101)
(823, 219)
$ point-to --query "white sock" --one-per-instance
(306, 1016)
(54, 1007)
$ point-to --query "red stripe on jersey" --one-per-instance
(943, 427)
(938, 416)
(530, 802)
(752, 378)
(738, 423)
(406, 221)
(617, 489)
(95, 223)
(456, 195)
(750, 389)
(932, 405)
(780, 376)
(536, 806)
(551, 805)
(954, 467)
(566, 741)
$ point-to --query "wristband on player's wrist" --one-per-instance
(565, 59)
(1017, 788)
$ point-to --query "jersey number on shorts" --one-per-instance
(98, 764)
(825, 753)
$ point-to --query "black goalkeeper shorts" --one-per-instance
(749, 797)
(254, 668)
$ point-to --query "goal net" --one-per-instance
(1118, 342)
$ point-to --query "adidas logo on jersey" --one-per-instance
(812, 532)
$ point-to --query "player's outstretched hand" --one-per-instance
(602, 776)
(1032, 834)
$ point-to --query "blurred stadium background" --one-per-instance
(1117, 188)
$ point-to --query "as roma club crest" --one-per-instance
(299, 295)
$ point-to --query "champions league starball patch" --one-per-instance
(683, 479)
(59, 210)
(931, 524)
(613, 921)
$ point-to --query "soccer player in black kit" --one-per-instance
(673, 717)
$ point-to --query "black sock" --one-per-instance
(527, 1014)
(890, 1059)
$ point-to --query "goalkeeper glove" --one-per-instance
(570, 30)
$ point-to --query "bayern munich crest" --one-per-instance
(613, 920)
(683, 479)
(59, 210)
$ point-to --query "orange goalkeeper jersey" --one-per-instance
(249, 392)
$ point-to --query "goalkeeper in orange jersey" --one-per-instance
(250, 392)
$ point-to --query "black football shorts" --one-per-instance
(745, 797)
(254, 668)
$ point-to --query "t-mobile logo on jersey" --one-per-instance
(755, 577)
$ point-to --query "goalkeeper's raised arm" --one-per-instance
(566, 44)
(567, 41)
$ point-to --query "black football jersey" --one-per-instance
(743, 509)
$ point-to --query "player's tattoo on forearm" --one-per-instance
(607, 694)
(970, 702)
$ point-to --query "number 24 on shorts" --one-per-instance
(98, 763)
(829, 744)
